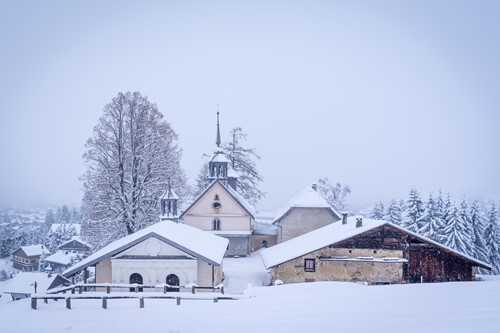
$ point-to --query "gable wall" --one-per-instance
(233, 217)
(300, 221)
(152, 247)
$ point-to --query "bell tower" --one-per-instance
(168, 205)
(218, 165)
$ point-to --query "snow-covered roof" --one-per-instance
(76, 239)
(307, 198)
(61, 257)
(22, 283)
(198, 243)
(169, 194)
(76, 226)
(248, 207)
(219, 157)
(334, 233)
(34, 250)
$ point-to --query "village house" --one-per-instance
(368, 251)
(27, 258)
(306, 212)
(76, 245)
(164, 253)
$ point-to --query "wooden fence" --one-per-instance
(77, 293)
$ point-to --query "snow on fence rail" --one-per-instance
(137, 287)
(55, 294)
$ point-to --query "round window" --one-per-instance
(216, 205)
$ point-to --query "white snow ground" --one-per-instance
(312, 307)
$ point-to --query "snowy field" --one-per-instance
(312, 307)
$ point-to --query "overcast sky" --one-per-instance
(379, 95)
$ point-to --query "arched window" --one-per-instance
(135, 278)
(216, 224)
(263, 243)
(172, 280)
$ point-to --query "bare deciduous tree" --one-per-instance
(130, 159)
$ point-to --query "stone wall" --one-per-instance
(300, 221)
(257, 241)
(348, 269)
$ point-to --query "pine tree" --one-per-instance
(395, 212)
(492, 239)
(432, 225)
(414, 212)
(455, 231)
(478, 228)
(467, 229)
(243, 162)
(378, 211)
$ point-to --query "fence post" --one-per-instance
(216, 299)
(68, 303)
(80, 289)
(104, 302)
(164, 289)
(108, 289)
(46, 300)
(141, 303)
(222, 290)
(33, 303)
(136, 289)
(193, 290)
(178, 300)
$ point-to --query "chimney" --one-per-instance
(359, 222)
(344, 217)
(314, 186)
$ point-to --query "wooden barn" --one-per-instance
(365, 250)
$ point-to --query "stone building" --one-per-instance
(365, 250)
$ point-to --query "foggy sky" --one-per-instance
(379, 95)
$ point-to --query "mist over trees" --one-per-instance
(468, 228)
(131, 157)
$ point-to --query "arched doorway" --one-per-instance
(135, 278)
(172, 280)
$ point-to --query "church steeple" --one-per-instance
(218, 165)
(217, 139)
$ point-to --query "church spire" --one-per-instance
(217, 140)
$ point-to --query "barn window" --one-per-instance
(216, 224)
(309, 265)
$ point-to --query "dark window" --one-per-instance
(172, 280)
(135, 278)
(264, 243)
(216, 204)
(310, 265)
(216, 224)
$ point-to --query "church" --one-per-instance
(219, 209)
